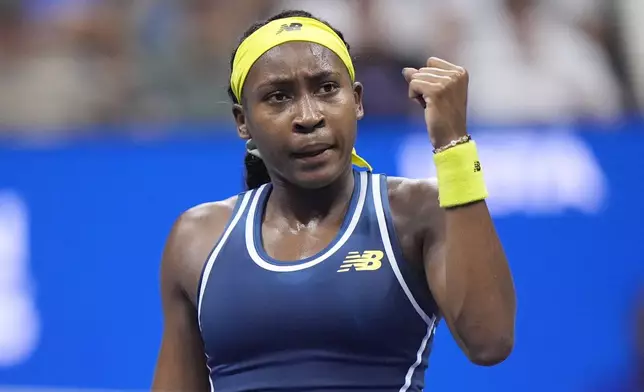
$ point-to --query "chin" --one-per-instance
(317, 178)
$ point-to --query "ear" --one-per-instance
(357, 96)
(240, 121)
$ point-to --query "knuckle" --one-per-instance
(414, 85)
(440, 92)
(460, 76)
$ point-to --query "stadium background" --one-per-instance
(114, 119)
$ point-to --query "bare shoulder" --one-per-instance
(204, 216)
(413, 194)
(193, 236)
(415, 212)
(202, 222)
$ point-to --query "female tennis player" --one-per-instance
(324, 275)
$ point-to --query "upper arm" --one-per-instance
(429, 229)
(422, 221)
(429, 232)
(181, 364)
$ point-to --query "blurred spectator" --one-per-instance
(62, 71)
(184, 63)
(600, 20)
(630, 14)
(528, 64)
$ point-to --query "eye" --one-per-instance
(277, 97)
(328, 88)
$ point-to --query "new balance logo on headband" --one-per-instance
(290, 27)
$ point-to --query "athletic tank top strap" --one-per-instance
(239, 212)
(412, 281)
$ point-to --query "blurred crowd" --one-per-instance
(70, 63)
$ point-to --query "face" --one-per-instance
(301, 109)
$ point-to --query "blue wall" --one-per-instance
(95, 216)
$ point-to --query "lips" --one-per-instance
(311, 150)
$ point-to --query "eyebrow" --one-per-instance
(284, 80)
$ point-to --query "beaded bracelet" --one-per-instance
(453, 143)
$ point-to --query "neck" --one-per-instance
(303, 206)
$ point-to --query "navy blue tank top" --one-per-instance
(352, 317)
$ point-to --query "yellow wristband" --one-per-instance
(460, 176)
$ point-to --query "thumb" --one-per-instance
(408, 73)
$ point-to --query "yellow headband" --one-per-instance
(285, 30)
(281, 31)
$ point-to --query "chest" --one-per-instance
(286, 243)
(344, 303)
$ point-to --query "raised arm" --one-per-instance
(466, 267)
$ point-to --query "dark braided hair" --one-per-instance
(256, 173)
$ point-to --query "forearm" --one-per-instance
(479, 292)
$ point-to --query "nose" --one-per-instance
(309, 117)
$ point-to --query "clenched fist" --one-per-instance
(441, 88)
